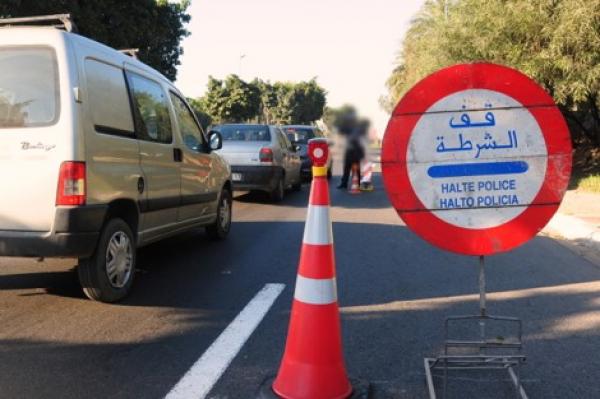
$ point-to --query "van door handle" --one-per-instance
(140, 185)
(177, 155)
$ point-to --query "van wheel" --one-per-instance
(279, 191)
(220, 228)
(107, 275)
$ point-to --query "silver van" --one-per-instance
(99, 155)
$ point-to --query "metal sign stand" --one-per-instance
(490, 353)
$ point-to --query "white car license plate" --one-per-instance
(236, 176)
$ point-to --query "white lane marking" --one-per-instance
(207, 370)
(315, 291)
(317, 230)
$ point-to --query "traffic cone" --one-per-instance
(313, 364)
(366, 176)
(355, 187)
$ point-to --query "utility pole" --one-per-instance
(240, 68)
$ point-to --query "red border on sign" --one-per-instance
(444, 83)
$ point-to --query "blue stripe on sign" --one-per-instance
(478, 169)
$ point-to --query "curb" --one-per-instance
(573, 228)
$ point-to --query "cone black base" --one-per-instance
(361, 389)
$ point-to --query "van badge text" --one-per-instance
(26, 145)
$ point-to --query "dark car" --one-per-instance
(299, 136)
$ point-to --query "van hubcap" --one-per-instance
(225, 214)
(119, 259)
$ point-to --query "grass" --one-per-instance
(589, 183)
(586, 168)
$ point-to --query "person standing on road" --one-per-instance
(355, 152)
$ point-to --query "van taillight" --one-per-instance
(71, 184)
(266, 155)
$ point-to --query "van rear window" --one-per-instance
(29, 92)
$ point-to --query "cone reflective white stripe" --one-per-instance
(367, 172)
(317, 230)
(354, 187)
(315, 291)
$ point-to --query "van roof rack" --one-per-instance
(132, 52)
(64, 19)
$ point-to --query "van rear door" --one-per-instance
(32, 143)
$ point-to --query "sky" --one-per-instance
(348, 45)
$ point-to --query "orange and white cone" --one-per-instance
(366, 176)
(313, 364)
(355, 186)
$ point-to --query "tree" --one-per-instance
(231, 100)
(268, 100)
(298, 103)
(312, 102)
(155, 27)
(557, 43)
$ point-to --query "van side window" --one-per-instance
(108, 99)
(190, 132)
(152, 110)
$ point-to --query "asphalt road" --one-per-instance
(394, 291)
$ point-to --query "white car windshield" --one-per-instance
(244, 133)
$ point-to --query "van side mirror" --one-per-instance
(215, 140)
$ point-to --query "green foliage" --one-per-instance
(155, 27)
(589, 183)
(555, 42)
(231, 100)
(298, 103)
(268, 100)
(234, 100)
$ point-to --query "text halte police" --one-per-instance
(495, 194)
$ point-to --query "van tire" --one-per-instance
(93, 274)
(220, 228)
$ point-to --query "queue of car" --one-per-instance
(268, 158)
(101, 155)
(261, 158)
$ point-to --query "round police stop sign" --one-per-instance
(476, 158)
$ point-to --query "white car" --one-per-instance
(261, 158)
(99, 154)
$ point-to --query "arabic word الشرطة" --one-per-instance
(489, 143)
